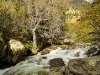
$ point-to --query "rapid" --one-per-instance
(36, 63)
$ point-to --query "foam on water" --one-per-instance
(91, 1)
(34, 64)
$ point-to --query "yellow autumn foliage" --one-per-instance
(87, 26)
(11, 13)
(73, 20)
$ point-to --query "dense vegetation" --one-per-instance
(12, 18)
(91, 18)
(19, 17)
(84, 23)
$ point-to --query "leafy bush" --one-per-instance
(87, 25)
(12, 17)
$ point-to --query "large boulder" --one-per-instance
(56, 62)
(12, 53)
(84, 66)
(16, 45)
(19, 51)
(93, 51)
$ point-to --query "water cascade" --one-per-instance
(36, 63)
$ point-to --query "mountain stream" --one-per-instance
(36, 63)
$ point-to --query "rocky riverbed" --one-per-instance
(76, 59)
(61, 61)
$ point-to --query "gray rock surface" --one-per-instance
(57, 62)
(84, 66)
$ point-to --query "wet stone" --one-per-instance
(56, 62)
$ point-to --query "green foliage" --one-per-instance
(91, 17)
(29, 45)
(87, 26)
(12, 16)
(82, 30)
(71, 18)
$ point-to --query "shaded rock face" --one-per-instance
(20, 55)
(5, 53)
(85, 66)
(57, 62)
(98, 53)
(93, 51)
(9, 57)
(19, 51)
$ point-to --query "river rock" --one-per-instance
(58, 71)
(18, 50)
(16, 45)
(12, 53)
(20, 55)
(57, 62)
(68, 41)
(93, 51)
(84, 66)
(98, 53)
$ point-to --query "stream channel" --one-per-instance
(36, 63)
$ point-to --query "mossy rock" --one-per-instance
(55, 68)
(42, 73)
(30, 46)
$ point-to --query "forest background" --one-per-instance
(55, 20)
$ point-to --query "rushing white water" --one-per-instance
(34, 64)
(91, 1)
